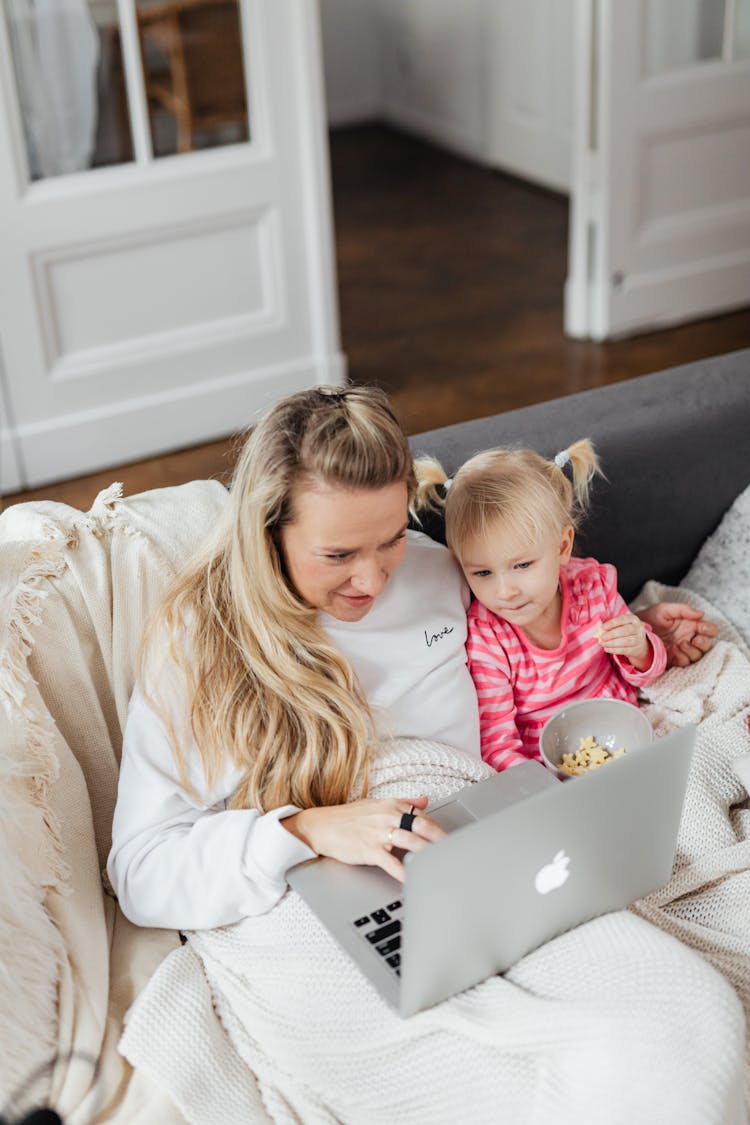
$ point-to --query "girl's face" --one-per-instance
(344, 544)
(517, 579)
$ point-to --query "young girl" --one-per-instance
(545, 628)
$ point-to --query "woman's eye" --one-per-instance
(395, 542)
(339, 558)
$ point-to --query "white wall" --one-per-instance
(351, 52)
(417, 64)
(530, 89)
(458, 74)
(434, 71)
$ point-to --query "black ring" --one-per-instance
(407, 819)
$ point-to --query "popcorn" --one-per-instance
(588, 756)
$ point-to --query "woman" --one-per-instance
(315, 627)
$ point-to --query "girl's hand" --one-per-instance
(365, 831)
(626, 636)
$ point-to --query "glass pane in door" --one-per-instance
(194, 73)
(681, 33)
(70, 84)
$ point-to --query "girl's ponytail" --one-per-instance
(584, 465)
(430, 475)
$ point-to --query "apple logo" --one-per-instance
(552, 875)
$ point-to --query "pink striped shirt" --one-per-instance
(519, 685)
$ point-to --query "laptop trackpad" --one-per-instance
(451, 815)
(499, 791)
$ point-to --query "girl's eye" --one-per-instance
(481, 573)
(523, 565)
(340, 557)
(395, 542)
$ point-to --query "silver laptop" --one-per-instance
(527, 857)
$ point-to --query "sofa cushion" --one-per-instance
(721, 569)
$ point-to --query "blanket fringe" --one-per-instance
(46, 559)
(39, 767)
(101, 516)
(97, 521)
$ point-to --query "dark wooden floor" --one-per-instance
(450, 287)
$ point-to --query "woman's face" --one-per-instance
(343, 545)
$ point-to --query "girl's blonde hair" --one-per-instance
(266, 687)
(515, 489)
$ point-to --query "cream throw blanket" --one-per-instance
(614, 1022)
(75, 591)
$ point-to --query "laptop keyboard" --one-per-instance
(382, 929)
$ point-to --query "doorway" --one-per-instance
(543, 90)
(450, 283)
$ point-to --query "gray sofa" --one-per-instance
(675, 448)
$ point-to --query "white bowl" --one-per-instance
(613, 723)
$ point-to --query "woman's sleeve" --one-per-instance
(181, 864)
(490, 670)
(616, 607)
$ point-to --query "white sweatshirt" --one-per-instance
(184, 863)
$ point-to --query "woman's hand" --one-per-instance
(626, 636)
(686, 635)
(365, 831)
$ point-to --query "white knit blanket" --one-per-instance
(706, 904)
(616, 1021)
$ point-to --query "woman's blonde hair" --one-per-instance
(514, 489)
(266, 687)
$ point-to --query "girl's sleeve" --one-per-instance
(490, 670)
(182, 864)
(616, 606)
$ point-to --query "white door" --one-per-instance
(529, 49)
(162, 296)
(660, 219)
(11, 478)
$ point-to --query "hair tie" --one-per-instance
(561, 459)
(332, 396)
(447, 483)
